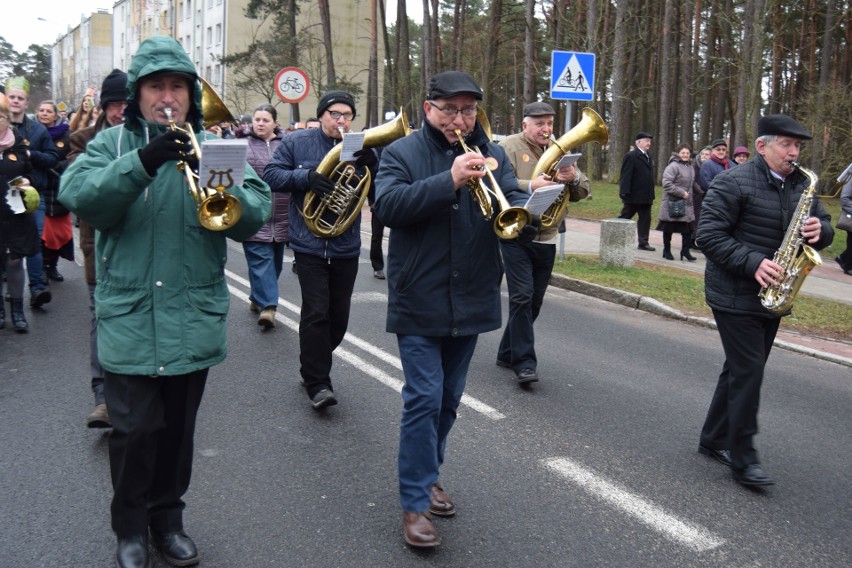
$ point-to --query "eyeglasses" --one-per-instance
(3, 117)
(450, 111)
(338, 115)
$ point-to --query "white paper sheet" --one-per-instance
(223, 162)
(352, 142)
(567, 160)
(542, 198)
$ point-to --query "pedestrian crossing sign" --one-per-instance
(572, 75)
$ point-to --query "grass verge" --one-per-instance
(684, 291)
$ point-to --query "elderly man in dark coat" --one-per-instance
(636, 187)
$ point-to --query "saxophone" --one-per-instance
(795, 257)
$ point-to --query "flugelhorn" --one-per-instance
(591, 128)
(217, 210)
(509, 220)
(333, 214)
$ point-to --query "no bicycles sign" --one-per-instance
(292, 84)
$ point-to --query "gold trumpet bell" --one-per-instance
(220, 211)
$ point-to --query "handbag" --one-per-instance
(677, 208)
(844, 222)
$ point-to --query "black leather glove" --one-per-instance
(319, 184)
(530, 230)
(366, 158)
(172, 146)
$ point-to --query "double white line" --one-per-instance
(670, 526)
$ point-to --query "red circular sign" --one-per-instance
(292, 85)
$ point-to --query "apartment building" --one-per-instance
(81, 59)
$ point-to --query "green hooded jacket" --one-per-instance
(161, 298)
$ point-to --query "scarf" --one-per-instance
(7, 140)
(58, 130)
(721, 161)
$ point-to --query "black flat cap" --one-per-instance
(718, 142)
(451, 83)
(781, 125)
(538, 109)
(641, 135)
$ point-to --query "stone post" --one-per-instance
(618, 242)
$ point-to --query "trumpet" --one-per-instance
(509, 220)
(217, 210)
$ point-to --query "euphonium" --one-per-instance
(795, 257)
(509, 220)
(591, 128)
(350, 189)
(217, 210)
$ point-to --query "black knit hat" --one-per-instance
(333, 97)
(114, 88)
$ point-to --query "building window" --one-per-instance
(209, 35)
(218, 34)
(217, 74)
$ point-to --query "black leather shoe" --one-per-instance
(721, 456)
(322, 399)
(527, 376)
(176, 547)
(753, 476)
(646, 247)
(504, 364)
(53, 274)
(380, 274)
(40, 298)
(133, 552)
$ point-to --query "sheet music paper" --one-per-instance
(567, 160)
(15, 201)
(223, 162)
(352, 142)
(542, 198)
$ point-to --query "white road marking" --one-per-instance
(353, 359)
(689, 535)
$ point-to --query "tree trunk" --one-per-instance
(529, 51)
(373, 72)
(325, 20)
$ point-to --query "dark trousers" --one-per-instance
(376, 257)
(846, 256)
(150, 448)
(528, 267)
(327, 286)
(731, 421)
(643, 222)
(94, 363)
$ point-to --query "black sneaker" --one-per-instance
(40, 297)
(322, 399)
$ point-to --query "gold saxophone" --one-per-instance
(795, 257)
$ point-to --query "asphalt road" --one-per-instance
(596, 465)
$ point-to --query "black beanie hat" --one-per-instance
(332, 97)
(114, 88)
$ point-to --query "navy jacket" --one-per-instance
(298, 154)
(43, 154)
(744, 218)
(444, 264)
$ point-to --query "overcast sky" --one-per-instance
(43, 21)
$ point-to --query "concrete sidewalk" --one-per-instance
(826, 281)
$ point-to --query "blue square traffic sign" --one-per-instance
(572, 75)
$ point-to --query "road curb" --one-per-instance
(653, 306)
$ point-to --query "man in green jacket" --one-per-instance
(161, 298)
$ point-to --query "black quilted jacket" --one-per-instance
(743, 220)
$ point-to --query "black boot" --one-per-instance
(16, 306)
(667, 246)
(686, 239)
(51, 272)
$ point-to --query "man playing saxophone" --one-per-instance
(528, 265)
(745, 216)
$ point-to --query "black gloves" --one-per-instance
(366, 158)
(319, 184)
(169, 147)
(530, 230)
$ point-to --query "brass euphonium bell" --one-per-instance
(217, 210)
(333, 214)
(591, 128)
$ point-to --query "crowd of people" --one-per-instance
(159, 299)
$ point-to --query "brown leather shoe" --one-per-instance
(418, 530)
(440, 503)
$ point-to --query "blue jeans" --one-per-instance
(528, 267)
(435, 375)
(265, 261)
(35, 263)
